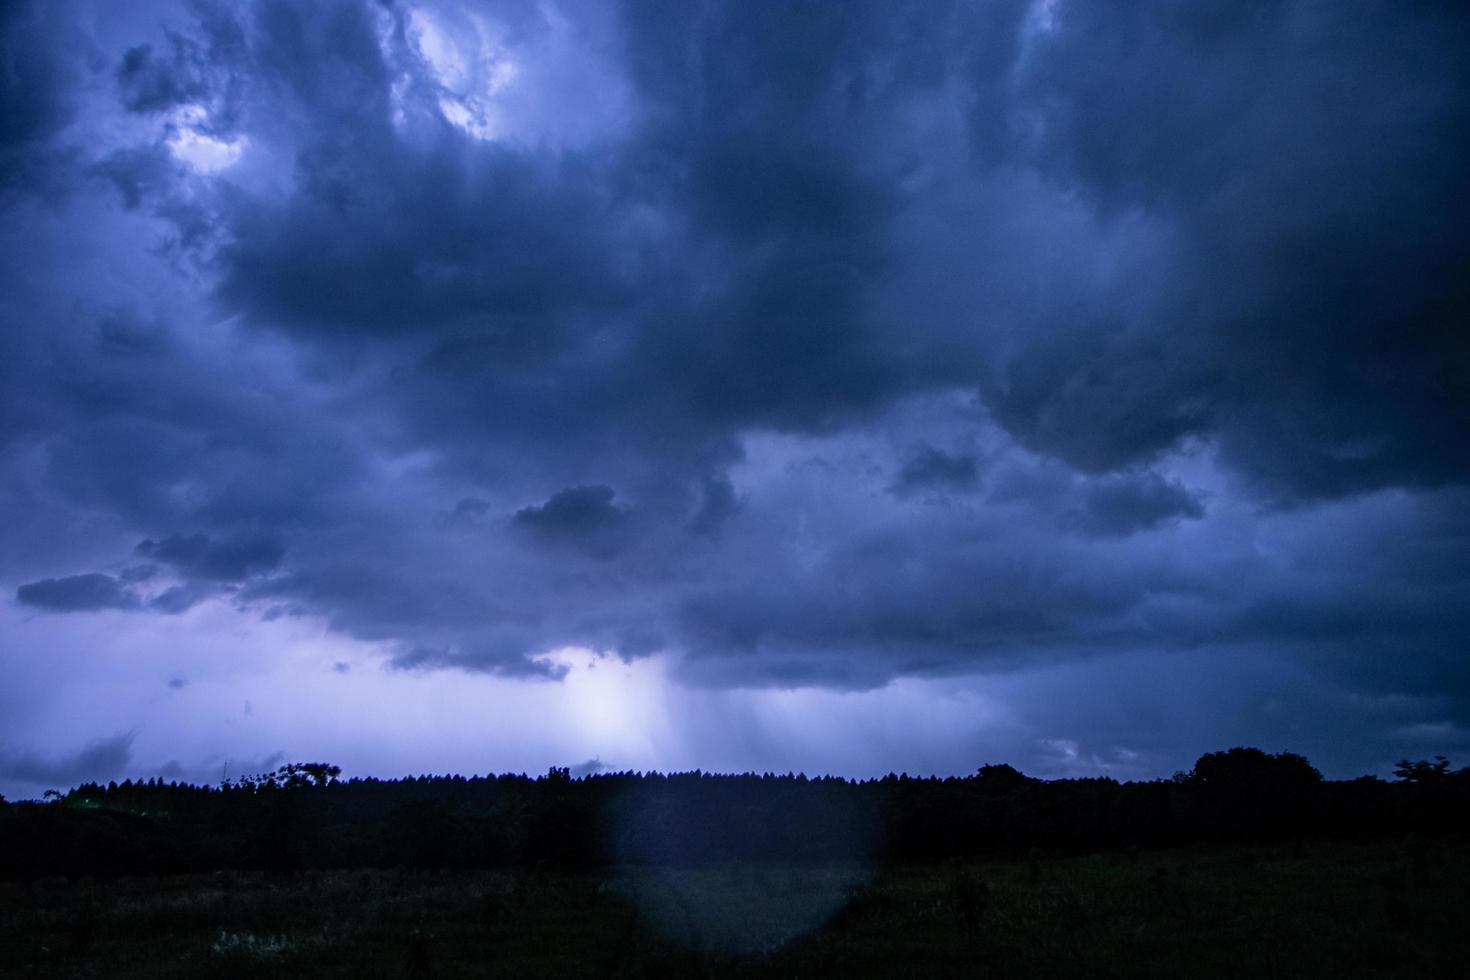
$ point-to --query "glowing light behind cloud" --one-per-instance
(472, 68)
(548, 81)
(261, 689)
(194, 146)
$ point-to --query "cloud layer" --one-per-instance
(800, 346)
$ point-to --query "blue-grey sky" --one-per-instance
(843, 387)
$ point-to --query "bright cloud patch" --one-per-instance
(199, 149)
(470, 66)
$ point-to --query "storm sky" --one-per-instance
(838, 387)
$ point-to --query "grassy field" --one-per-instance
(1387, 909)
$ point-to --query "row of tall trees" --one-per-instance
(305, 816)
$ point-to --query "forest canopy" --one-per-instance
(305, 816)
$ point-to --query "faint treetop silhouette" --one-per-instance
(295, 775)
(1422, 771)
(292, 775)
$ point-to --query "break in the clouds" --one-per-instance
(791, 347)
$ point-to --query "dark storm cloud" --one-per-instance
(190, 68)
(180, 598)
(100, 760)
(718, 504)
(1125, 504)
(916, 338)
(740, 302)
(935, 469)
(765, 142)
(387, 236)
(781, 212)
(200, 556)
(585, 518)
(31, 90)
(573, 513)
(150, 81)
(77, 593)
(511, 661)
(1306, 165)
(206, 575)
(142, 174)
(38, 69)
(851, 621)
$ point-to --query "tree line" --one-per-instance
(305, 816)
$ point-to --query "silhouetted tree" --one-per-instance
(1001, 779)
(303, 775)
(1252, 769)
(1423, 771)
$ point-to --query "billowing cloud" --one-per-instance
(1303, 329)
(791, 346)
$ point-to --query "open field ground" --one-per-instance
(1380, 909)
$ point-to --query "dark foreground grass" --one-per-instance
(1384, 909)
